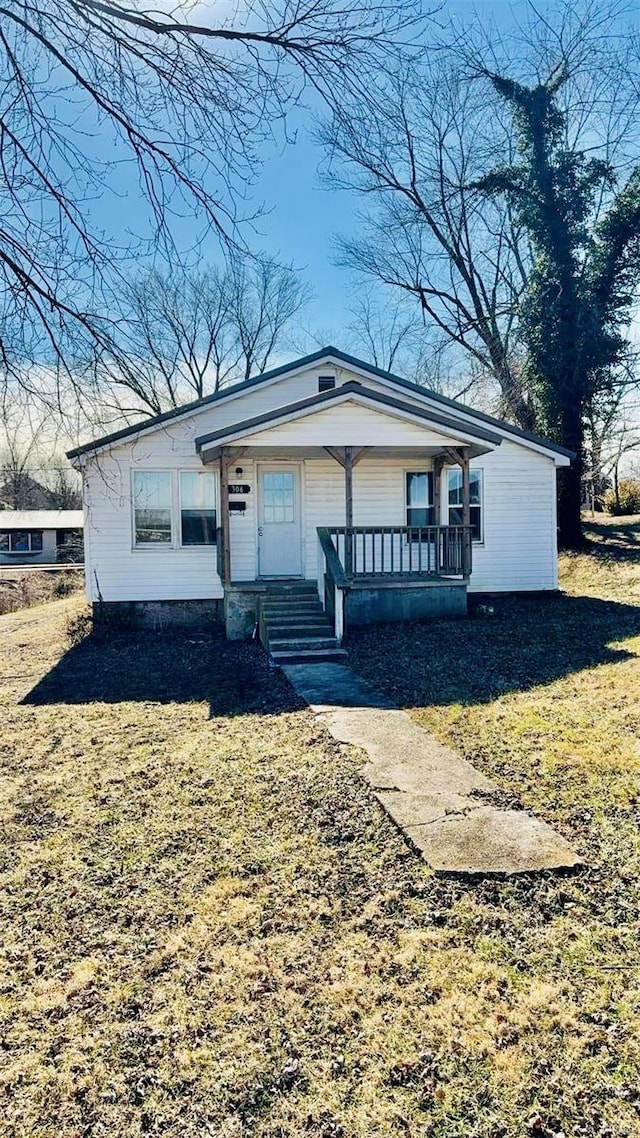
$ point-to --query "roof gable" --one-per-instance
(330, 411)
(328, 357)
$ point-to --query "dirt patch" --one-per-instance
(22, 590)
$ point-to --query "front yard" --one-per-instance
(210, 928)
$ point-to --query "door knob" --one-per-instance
(260, 531)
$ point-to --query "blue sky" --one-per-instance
(302, 217)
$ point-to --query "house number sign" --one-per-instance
(238, 488)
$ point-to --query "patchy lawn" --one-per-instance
(209, 928)
(20, 589)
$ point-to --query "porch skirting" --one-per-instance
(366, 602)
(382, 602)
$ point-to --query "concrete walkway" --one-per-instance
(442, 804)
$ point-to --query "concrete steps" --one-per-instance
(294, 628)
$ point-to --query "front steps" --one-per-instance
(294, 627)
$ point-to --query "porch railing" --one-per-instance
(349, 553)
(403, 551)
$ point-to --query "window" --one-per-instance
(455, 500)
(419, 495)
(21, 541)
(197, 508)
(278, 497)
(152, 507)
(326, 382)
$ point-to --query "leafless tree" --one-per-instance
(33, 471)
(392, 335)
(96, 92)
(185, 334)
(612, 435)
(427, 234)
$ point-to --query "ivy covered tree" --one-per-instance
(575, 309)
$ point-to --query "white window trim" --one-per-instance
(216, 505)
(474, 470)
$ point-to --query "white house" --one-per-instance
(37, 537)
(323, 491)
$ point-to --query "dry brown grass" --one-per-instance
(19, 590)
(211, 928)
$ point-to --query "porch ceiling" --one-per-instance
(271, 453)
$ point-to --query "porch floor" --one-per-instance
(362, 580)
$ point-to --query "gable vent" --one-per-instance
(326, 382)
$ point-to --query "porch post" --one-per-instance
(438, 463)
(440, 538)
(466, 512)
(224, 517)
(348, 495)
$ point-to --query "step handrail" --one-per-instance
(332, 562)
(331, 572)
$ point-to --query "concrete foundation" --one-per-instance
(159, 614)
(388, 603)
(240, 613)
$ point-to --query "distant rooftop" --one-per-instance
(41, 519)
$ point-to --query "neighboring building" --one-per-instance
(31, 537)
(390, 500)
(20, 491)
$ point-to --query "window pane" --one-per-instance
(197, 507)
(19, 541)
(152, 501)
(4, 542)
(198, 527)
(455, 487)
(36, 541)
(197, 490)
(419, 488)
(152, 489)
(420, 517)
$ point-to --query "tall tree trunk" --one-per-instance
(570, 535)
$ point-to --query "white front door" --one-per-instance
(279, 522)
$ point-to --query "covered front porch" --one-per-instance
(350, 494)
(362, 574)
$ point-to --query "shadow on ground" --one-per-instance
(612, 538)
(170, 667)
(525, 642)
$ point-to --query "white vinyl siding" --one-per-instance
(118, 570)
